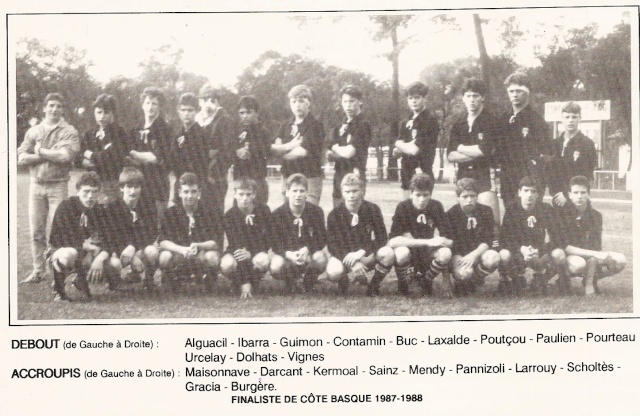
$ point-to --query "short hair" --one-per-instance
(352, 90)
(189, 99)
(245, 183)
(475, 85)
(300, 91)
(130, 176)
(466, 184)
(352, 179)
(248, 102)
(188, 179)
(153, 92)
(580, 181)
(105, 101)
(518, 78)
(421, 182)
(207, 92)
(297, 179)
(88, 179)
(529, 182)
(572, 108)
(417, 88)
(54, 96)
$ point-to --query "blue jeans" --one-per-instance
(44, 199)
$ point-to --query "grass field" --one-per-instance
(35, 301)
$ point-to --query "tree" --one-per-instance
(388, 26)
(607, 75)
(41, 69)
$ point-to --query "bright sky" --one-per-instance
(221, 46)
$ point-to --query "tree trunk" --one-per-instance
(392, 173)
(485, 61)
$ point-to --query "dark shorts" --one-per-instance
(405, 177)
(421, 258)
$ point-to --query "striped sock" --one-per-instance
(401, 272)
(480, 273)
(382, 269)
(435, 268)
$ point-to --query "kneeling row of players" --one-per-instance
(98, 242)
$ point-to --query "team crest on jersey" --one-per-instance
(294, 130)
(409, 124)
(480, 136)
(525, 131)
(343, 129)
(369, 230)
(576, 155)
(531, 221)
(414, 133)
(471, 223)
(421, 219)
(242, 136)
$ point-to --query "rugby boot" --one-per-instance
(59, 291)
(34, 277)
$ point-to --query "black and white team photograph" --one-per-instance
(343, 164)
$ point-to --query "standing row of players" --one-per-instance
(207, 145)
(97, 241)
